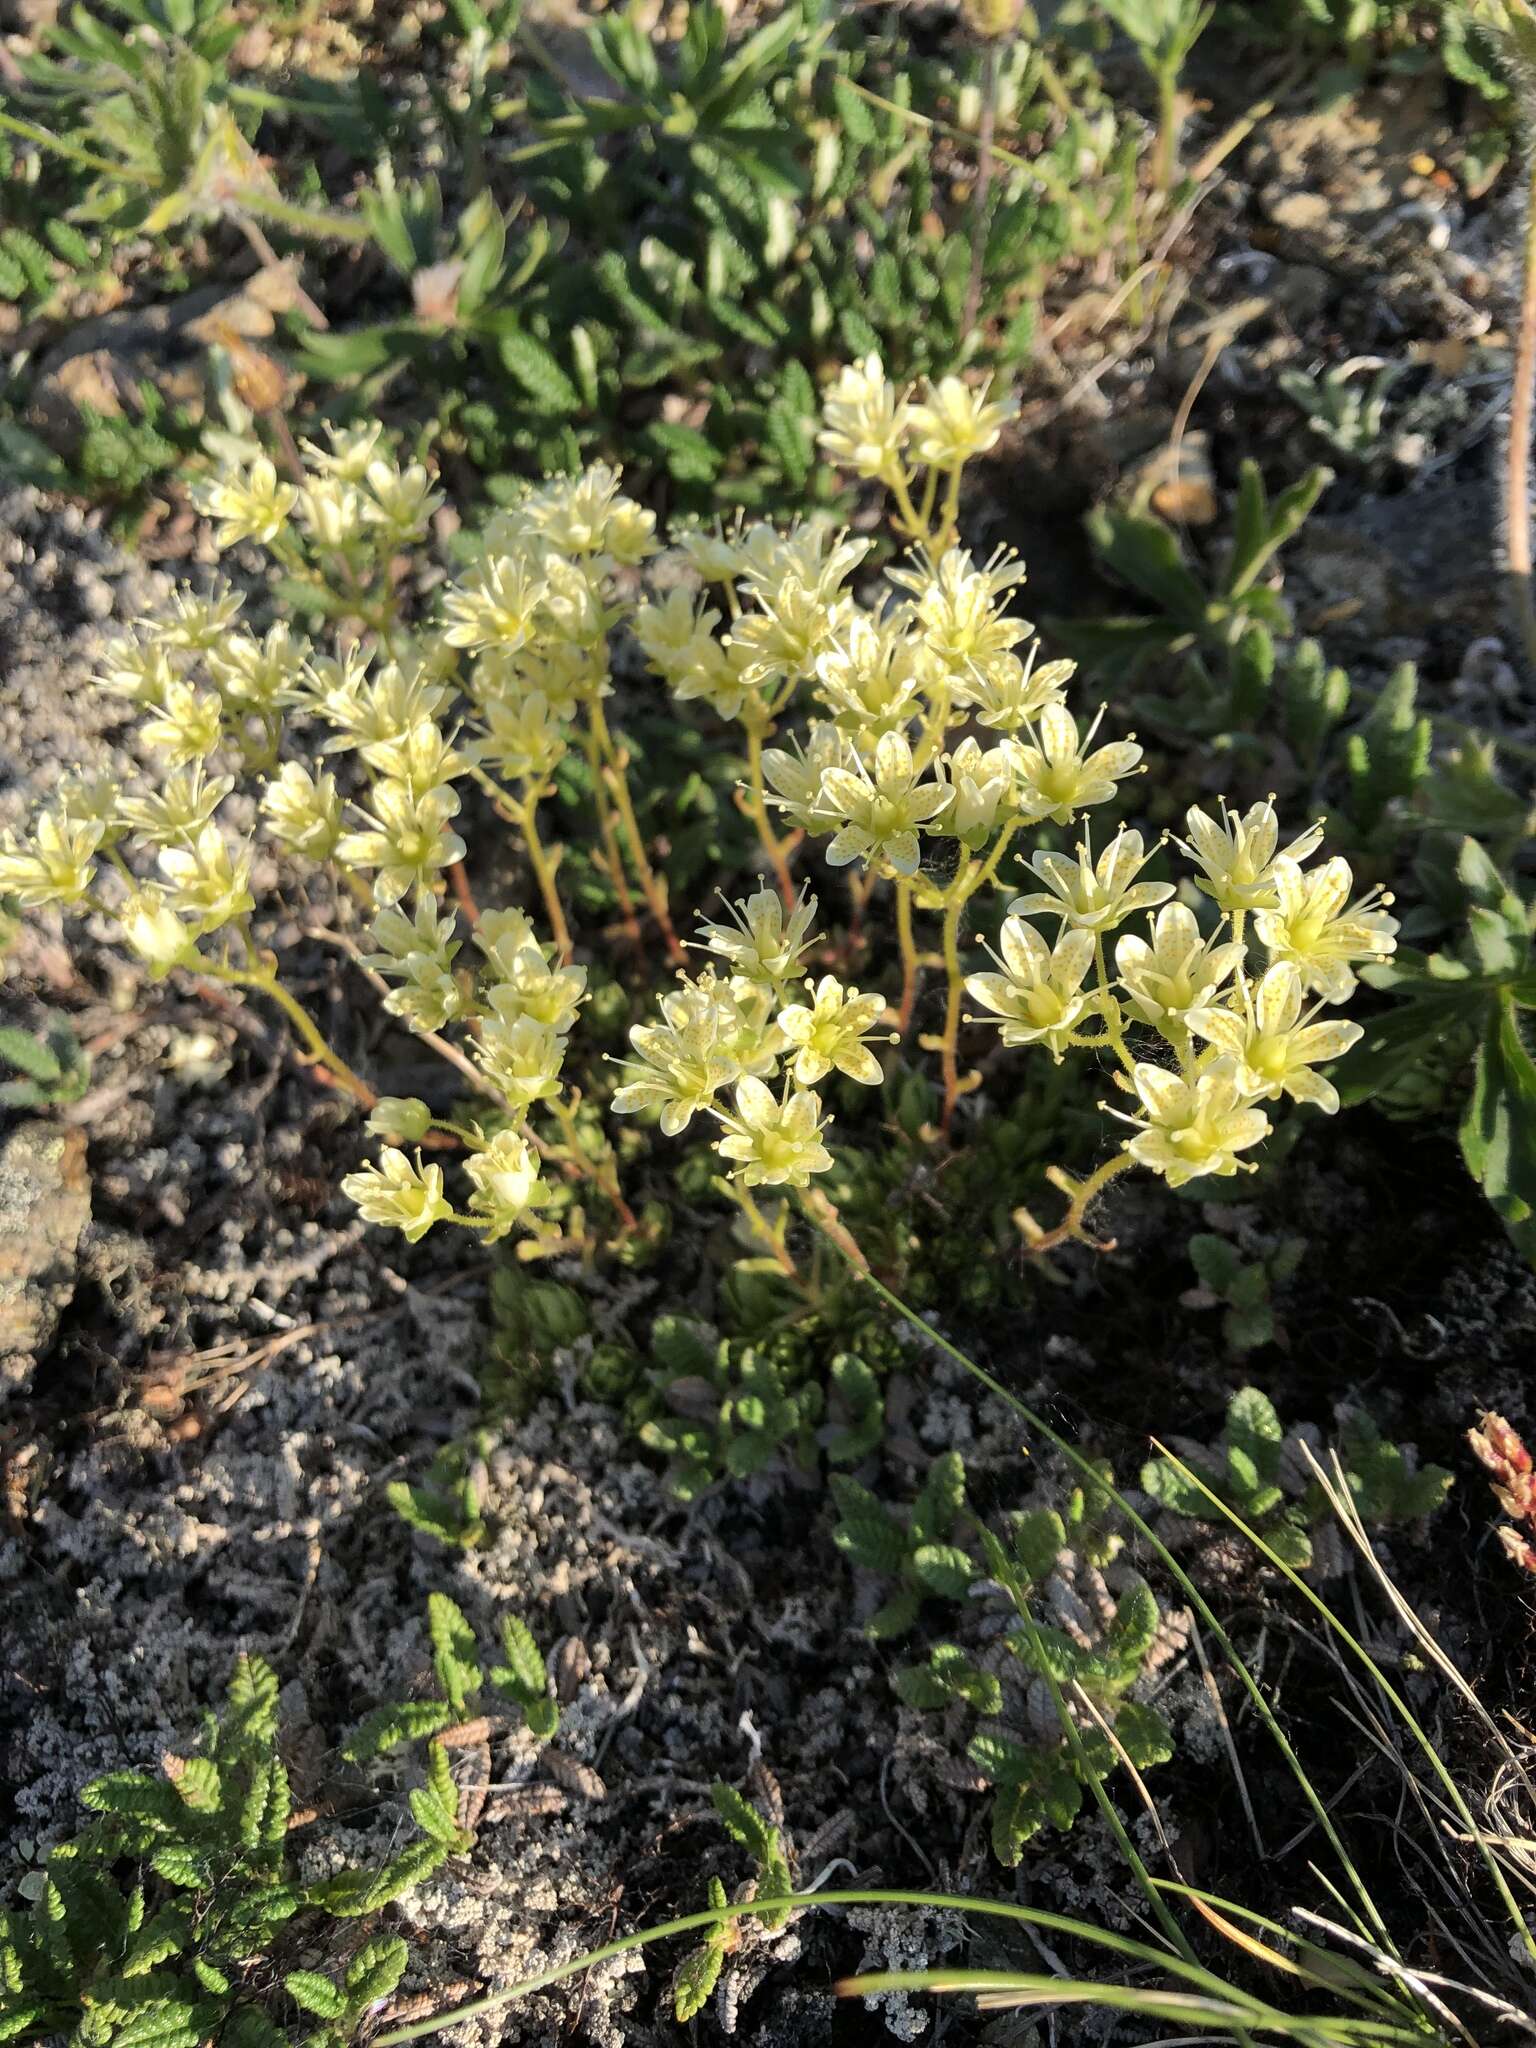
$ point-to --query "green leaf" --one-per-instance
(743, 1823)
(1498, 1130)
(387, 1727)
(696, 1978)
(1134, 1628)
(943, 1496)
(435, 1805)
(1143, 1734)
(1170, 1489)
(1254, 1429)
(685, 453)
(375, 1971)
(920, 1687)
(20, 1049)
(896, 1617)
(453, 1651)
(866, 1532)
(1145, 553)
(523, 1675)
(944, 1568)
(352, 1893)
(1216, 1260)
(1039, 1536)
(539, 373)
(314, 1993)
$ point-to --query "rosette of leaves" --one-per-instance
(1053, 1694)
(156, 1924)
(920, 1553)
(1263, 1477)
(733, 1406)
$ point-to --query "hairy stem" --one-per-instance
(612, 861)
(1081, 1195)
(760, 1227)
(1517, 458)
(265, 981)
(602, 1172)
(615, 775)
(544, 865)
(756, 800)
(908, 947)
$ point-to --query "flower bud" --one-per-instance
(402, 1117)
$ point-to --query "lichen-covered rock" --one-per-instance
(45, 1203)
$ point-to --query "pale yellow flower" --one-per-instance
(1007, 693)
(1058, 777)
(864, 421)
(1191, 1127)
(204, 883)
(393, 1191)
(1275, 1047)
(521, 1056)
(333, 512)
(797, 777)
(1179, 971)
(505, 1173)
(684, 1061)
(193, 622)
(829, 1031)
(407, 838)
(1315, 927)
(773, 1143)
(369, 712)
(526, 985)
(179, 808)
(869, 677)
(880, 808)
(524, 741)
(983, 783)
(303, 811)
(402, 1117)
(421, 756)
(589, 515)
(188, 725)
(1039, 995)
(496, 604)
(784, 638)
(350, 450)
(758, 944)
(152, 930)
(255, 506)
(957, 609)
(953, 423)
(1094, 895)
(138, 669)
(1238, 854)
(402, 501)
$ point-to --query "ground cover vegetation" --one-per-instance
(782, 943)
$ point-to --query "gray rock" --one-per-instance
(45, 1203)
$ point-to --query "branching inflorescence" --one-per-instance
(908, 723)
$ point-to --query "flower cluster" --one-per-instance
(1238, 1037)
(736, 1030)
(907, 724)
